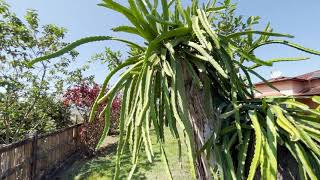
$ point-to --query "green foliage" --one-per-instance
(47, 115)
(213, 47)
(29, 98)
(112, 58)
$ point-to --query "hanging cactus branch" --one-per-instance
(189, 76)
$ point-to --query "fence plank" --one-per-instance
(27, 157)
(11, 164)
(37, 155)
(18, 161)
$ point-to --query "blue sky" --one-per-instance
(84, 18)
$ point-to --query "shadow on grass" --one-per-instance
(102, 166)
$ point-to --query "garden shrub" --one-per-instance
(81, 98)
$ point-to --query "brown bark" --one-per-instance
(202, 128)
(287, 165)
(203, 125)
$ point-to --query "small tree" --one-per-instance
(194, 72)
(29, 98)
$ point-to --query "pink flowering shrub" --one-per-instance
(81, 97)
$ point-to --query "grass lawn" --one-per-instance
(102, 166)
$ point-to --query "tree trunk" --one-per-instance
(287, 165)
(203, 125)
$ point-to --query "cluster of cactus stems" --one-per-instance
(182, 42)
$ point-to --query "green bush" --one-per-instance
(47, 115)
(29, 97)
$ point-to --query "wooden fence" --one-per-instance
(39, 155)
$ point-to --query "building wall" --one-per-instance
(315, 83)
(297, 87)
(286, 88)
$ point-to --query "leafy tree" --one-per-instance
(27, 95)
(194, 72)
(112, 58)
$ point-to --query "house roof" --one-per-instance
(307, 89)
(310, 92)
(303, 77)
(310, 76)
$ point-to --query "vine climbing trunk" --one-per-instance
(202, 128)
(202, 123)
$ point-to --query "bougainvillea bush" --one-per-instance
(81, 98)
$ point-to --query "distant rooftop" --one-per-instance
(305, 85)
(310, 76)
(304, 77)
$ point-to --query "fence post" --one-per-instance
(34, 146)
(77, 138)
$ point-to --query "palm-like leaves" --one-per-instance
(182, 42)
